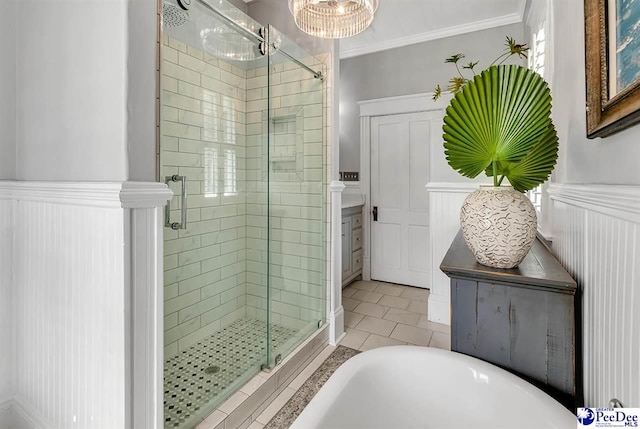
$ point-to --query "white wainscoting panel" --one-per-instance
(69, 314)
(336, 311)
(147, 330)
(6, 308)
(596, 236)
(445, 201)
(84, 285)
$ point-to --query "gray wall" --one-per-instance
(85, 90)
(276, 13)
(403, 71)
(72, 90)
(142, 23)
(8, 91)
(83, 108)
(612, 160)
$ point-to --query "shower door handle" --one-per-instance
(183, 204)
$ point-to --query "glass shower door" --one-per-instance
(241, 126)
(215, 264)
(297, 196)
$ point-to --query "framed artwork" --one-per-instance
(612, 62)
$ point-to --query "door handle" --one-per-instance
(183, 208)
(375, 213)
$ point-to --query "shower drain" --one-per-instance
(212, 369)
(235, 350)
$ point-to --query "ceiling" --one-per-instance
(405, 22)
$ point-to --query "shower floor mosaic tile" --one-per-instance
(204, 373)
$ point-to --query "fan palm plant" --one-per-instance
(499, 123)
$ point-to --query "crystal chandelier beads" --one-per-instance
(333, 19)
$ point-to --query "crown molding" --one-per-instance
(404, 104)
(485, 24)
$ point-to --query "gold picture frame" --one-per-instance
(611, 107)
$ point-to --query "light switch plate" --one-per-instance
(349, 176)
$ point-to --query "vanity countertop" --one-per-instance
(352, 200)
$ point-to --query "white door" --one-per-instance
(399, 173)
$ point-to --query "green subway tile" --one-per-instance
(198, 308)
(219, 312)
(191, 284)
(174, 334)
(181, 301)
(233, 293)
(181, 273)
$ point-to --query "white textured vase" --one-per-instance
(499, 225)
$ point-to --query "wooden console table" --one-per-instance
(521, 319)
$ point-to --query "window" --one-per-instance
(210, 172)
(536, 60)
(230, 187)
(539, 21)
(536, 53)
(228, 120)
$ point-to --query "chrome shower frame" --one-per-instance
(260, 39)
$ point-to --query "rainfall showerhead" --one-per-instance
(175, 15)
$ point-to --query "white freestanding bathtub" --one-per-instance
(407, 387)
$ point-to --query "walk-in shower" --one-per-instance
(243, 148)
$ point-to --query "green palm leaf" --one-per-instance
(500, 121)
(536, 167)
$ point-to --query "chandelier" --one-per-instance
(333, 19)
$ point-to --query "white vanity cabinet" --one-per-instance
(352, 250)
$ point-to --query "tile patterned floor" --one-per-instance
(189, 388)
(376, 315)
(382, 314)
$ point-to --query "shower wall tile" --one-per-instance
(297, 196)
(175, 44)
(181, 73)
(210, 109)
(203, 138)
(188, 60)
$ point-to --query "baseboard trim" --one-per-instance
(336, 319)
(439, 309)
(14, 415)
(28, 416)
(6, 414)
